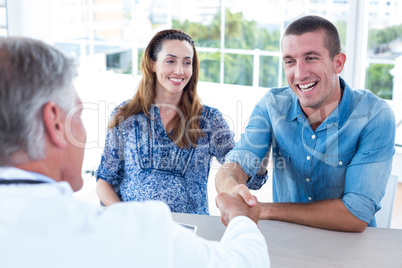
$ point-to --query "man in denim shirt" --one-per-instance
(332, 146)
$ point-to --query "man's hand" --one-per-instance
(233, 205)
(244, 192)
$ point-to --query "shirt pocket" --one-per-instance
(282, 163)
(335, 169)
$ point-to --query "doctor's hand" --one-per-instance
(233, 205)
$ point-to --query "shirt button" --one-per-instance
(308, 180)
(313, 137)
(340, 163)
(309, 198)
(308, 158)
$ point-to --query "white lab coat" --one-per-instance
(43, 225)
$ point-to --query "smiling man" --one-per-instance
(332, 147)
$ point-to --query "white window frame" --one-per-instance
(31, 17)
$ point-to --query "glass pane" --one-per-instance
(100, 32)
(238, 69)
(75, 50)
(108, 24)
(158, 12)
(269, 71)
(209, 66)
(258, 23)
(284, 80)
(335, 11)
(384, 48)
(120, 61)
(384, 45)
(379, 80)
(72, 21)
(3, 18)
(253, 24)
(199, 19)
(140, 54)
(249, 28)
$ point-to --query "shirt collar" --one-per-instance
(17, 173)
(295, 110)
(344, 108)
(338, 117)
(342, 112)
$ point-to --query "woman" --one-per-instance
(160, 144)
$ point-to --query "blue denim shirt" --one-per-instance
(349, 156)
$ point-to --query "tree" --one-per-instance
(239, 34)
(382, 37)
(379, 80)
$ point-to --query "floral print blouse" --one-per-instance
(142, 163)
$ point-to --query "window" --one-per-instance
(3, 18)
(238, 42)
(202, 21)
(384, 47)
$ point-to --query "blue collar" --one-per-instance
(338, 117)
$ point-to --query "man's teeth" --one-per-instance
(176, 80)
(307, 87)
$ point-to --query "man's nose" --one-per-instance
(302, 71)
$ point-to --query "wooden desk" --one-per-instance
(293, 245)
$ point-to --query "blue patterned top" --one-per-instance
(143, 163)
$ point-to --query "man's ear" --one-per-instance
(339, 62)
(54, 120)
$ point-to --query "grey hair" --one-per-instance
(32, 74)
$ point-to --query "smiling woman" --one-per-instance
(160, 144)
(173, 70)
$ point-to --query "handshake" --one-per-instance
(233, 204)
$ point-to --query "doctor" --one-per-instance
(42, 142)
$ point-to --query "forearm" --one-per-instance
(242, 245)
(229, 176)
(328, 214)
(245, 237)
(106, 193)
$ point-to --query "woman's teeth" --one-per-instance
(176, 80)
